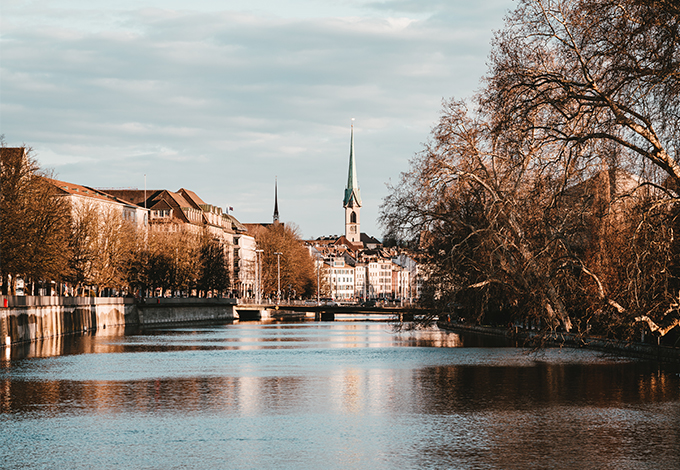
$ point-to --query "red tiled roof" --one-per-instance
(351, 245)
(179, 199)
(86, 191)
(160, 205)
(191, 197)
(136, 196)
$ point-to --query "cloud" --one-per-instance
(222, 100)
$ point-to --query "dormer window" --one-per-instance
(161, 213)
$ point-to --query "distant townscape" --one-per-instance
(67, 239)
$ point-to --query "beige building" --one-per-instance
(84, 197)
(185, 210)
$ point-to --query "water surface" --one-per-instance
(329, 395)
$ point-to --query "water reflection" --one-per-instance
(331, 395)
(68, 344)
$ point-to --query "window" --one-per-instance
(161, 213)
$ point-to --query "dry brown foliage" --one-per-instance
(554, 199)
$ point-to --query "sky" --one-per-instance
(224, 97)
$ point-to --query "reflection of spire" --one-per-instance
(352, 192)
(276, 200)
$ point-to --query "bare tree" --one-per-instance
(85, 222)
(519, 207)
(598, 81)
(34, 222)
(103, 247)
(479, 218)
(214, 275)
(577, 71)
(298, 276)
(114, 245)
(172, 261)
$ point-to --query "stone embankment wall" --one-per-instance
(158, 311)
(28, 318)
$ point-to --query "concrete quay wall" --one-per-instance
(159, 311)
(29, 318)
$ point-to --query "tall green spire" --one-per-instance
(352, 192)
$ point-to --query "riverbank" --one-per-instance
(31, 318)
(535, 338)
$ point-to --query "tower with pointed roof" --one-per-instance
(352, 201)
(276, 201)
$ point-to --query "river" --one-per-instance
(329, 395)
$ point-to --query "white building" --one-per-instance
(245, 265)
(409, 281)
(379, 275)
(361, 281)
(341, 277)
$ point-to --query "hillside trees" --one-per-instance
(520, 206)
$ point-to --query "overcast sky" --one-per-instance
(221, 97)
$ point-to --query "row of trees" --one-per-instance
(34, 223)
(43, 239)
(95, 251)
(109, 252)
(555, 197)
(293, 268)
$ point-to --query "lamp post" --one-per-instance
(318, 279)
(258, 276)
(278, 273)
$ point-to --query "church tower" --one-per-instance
(276, 201)
(352, 201)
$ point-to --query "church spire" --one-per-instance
(352, 192)
(352, 201)
(276, 200)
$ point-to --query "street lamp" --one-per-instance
(258, 276)
(318, 279)
(278, 270)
